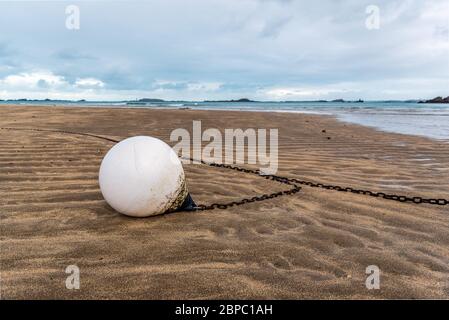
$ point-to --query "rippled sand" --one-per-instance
(315, 244)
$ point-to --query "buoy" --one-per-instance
(142, 176)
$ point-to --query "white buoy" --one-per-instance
(142, 176)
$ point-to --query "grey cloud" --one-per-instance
(247, 46)
(43, 84)
(442, 31)
(170, 85)
(73, 54)
(273, 27)
(5, 50)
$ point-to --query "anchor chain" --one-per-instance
(400, 198)
(295, 182)
(289, 181)
(266, 196)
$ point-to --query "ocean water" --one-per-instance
(429, 120)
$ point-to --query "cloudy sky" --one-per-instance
(225, 49)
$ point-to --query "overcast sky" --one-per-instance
(224, 49)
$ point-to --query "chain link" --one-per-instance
(400, 198)
(291, 191)
(293, 182)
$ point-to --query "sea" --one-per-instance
(413, 118)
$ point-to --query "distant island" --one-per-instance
(239, 100)
(41, 100)
(354, 101)
(144, 101)
(150, 100)
(335, 100)
(436, 100)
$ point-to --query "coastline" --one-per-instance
(417, 119)
(316, 244)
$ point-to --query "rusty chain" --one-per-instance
(293, 190)
(295, 182)
(394, 197)
(289, 181)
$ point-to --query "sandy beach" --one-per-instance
(314, 244)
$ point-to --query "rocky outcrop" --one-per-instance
(238, 100)
(436, 100)
(150, 100)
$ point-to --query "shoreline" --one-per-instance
(315, 244)
(338, 117)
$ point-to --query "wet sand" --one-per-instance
(315, 244)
